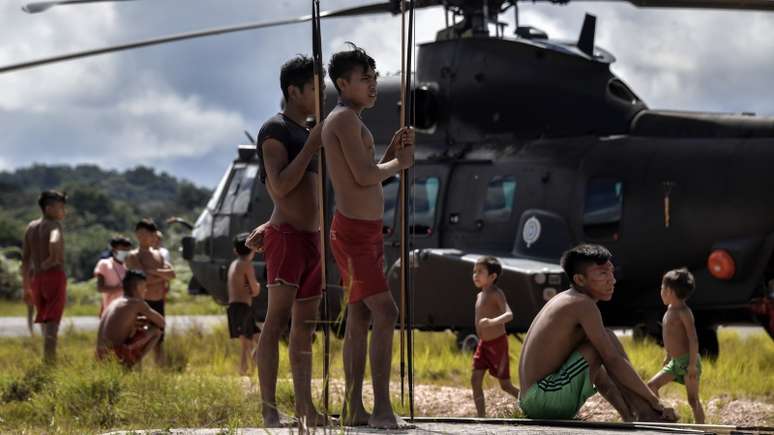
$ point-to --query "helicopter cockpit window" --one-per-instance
(619, 90)
(237, 197)
(500, 195)
(604, 208)
(213, 203)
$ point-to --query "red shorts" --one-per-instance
(129, 353)
(358, 247)
(48, 291)
(493, 355)
(293, 258)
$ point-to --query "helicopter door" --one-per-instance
(426, 193)
(460, 224)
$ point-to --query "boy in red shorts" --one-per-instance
(492, 313)
(43, 267)
(129, 326)
(290, 241)
(356, 233)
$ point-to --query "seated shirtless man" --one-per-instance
(129, 326)
(568, 354)
(356, 233)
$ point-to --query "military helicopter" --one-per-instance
(527, 146)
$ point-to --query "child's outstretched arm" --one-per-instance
(686, 316)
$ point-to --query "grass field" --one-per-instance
(199, 387)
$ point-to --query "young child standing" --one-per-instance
(242, 288)
(682, 363)
(492, 313)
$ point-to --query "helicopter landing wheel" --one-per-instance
(467, 341)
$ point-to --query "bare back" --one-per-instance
(119, 320)
(37, 243)
(353, 199)
(238, 282)
(490, 303)
(674, 331)
(555, 333)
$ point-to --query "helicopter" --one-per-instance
(527, 146)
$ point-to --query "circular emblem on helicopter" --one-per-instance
(531, 231)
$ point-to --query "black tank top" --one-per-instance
(287, 132)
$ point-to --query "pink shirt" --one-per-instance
(113, 273)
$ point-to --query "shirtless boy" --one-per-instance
(129, 327)
(492, 313)
(150, 262)
(242, 288)
(568, 352)
(356, 232)
(291, 241)
(682, 363)
(42, 267)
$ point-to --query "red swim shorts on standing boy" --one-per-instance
(358, 247)
(48, 291)
(493, 355)
(293, 259)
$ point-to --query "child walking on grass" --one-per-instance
(492, 313)
(682, 363)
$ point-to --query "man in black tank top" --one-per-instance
(287, 153)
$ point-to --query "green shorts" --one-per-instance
(678, 367)
(560, 395)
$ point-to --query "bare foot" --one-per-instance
(316, 419)
(388, 421)
(271, 418)
(668, 415)
(358, 417)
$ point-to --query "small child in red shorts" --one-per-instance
(492, 313)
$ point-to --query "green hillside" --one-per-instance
(100, 203)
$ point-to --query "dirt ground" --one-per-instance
(437, 401)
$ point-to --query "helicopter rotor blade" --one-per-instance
(387, 7)
(36, 7)
(744, 5)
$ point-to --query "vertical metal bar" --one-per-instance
(405, 265)
(322, 201)
(402, 205)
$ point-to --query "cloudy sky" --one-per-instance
(182, 107)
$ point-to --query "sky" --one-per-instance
(182, 107)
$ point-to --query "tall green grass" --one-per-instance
(199, 386)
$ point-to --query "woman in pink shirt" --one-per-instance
(110, 272)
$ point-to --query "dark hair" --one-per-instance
(130, 281)
(146, 224)
(296, 72)
(680, 281)
(343, 62)
(120, 240)
(48, 197)
(492, 265)
(576, 260)
(239, 244)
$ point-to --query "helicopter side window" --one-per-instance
(390, 204)
(500, 196)
(603, 209)
(424, 201)
(423, 205)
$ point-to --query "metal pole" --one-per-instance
(322, 198)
